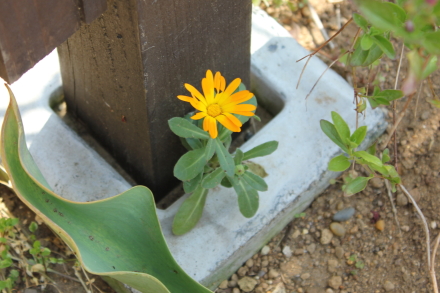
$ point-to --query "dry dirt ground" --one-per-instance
(305, 257)
(364, 259)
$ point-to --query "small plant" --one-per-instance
(6, 235)
(358, 264)
(208, 161)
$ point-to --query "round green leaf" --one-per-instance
(339, 163)
(190, 164)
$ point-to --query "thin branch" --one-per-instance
(317, 81)
(417, 100)
(390, 196)
(432, 270)
(425, 224)
(396, 124)
(394, 109)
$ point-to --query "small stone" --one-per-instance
(287, 251)
(279, 288)
(273, 273)
(415, 194)
(232, 284)
(311, 248)
(265, 250)
(340, 206)
(376, 182)
(344, 215)
(259, 290)
(332, 265)
(433, 224)
(337, 229)
(329, 291)
(223, 285)
(247, 284)
(242, 271)
(30, 290)
(424, 115)
(264, 263)
(380, 225)
(339, 252)
(234, 277)
(326, 236)
(335, 282)
(250, 263)
(296, 234)
(305, 231)
(235, 290)
(401, 199)
(305, 276)
(388, 286)
(405, 228)
(361, 224)
(298, 251)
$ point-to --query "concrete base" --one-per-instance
(224, 239)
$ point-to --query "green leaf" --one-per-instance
(386, 156)
(238, 158)
(430, 67)
(224, 157)
(330, 130)
(189, 212)
(248, 199)
(45, 252)
(357, 185)
(262, 150)
(366, 57)
(369, 158)
(389, 95)
(130, 247)
(184, 128)
(366, 42)
(341, 126)
(255, 181)
(190, 164)
(431, 42)
(226, 183)
(384, 15)
(194, 143)
(385, 45)
(210, 149)
(33, 227)
(339, 164)
(213, 179)
(360, 21)
(359, 135)
(190, 186)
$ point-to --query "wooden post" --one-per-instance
(29, 30)
(122, 73)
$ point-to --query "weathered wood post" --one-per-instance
(121, 74)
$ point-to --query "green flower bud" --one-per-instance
(239, 170)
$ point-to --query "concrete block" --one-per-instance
(223, 239)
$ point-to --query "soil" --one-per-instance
(373, 254)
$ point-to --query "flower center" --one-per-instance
(214, 110)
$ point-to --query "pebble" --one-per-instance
(234, 277)
(296, 234)
(264, 263)
(344, 215)
(232, 284)
(380, 225)
(223, 285)
(332, 265)
(311, 248)
(337, 229)
(339, 252)
(401, 200)
(235, 290)
(287, 251)
(265, 250)
(334, 282)
(326, 236)
(305, 276)
(388, 286)
(329, 291)
(405, 228)
(424, 115)
(273, 273)
(247, 284)
(433, 224)
(279, 288)
(242, 271)
(376, 182)
(250, 263)
(298, 251)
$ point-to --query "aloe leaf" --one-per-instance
(119, 237)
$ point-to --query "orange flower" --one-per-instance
(218, 103)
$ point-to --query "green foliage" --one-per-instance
(208, 164)
(339, 133)
(129, 248)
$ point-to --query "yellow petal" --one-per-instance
(233, 86)
(198, 116)
(241, 107)
(222, 83)
(198, 105)
(195, 93)
(208, 88)
(244, 113)
(227, 123)
(185, 98)
(217, 81)
(238, 98)
(205, 124)
(233, 119)
(212, 124)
